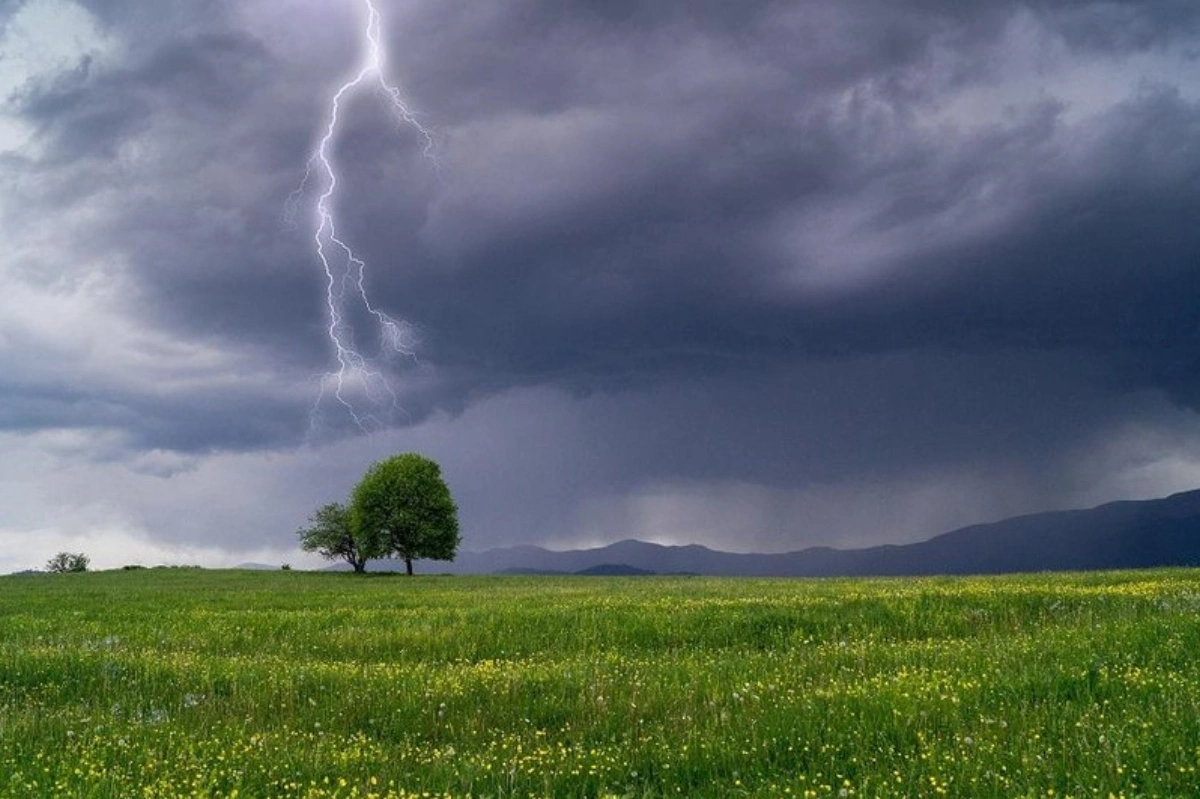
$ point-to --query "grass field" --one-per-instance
(181, 683)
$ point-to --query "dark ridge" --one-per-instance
(1118, 535)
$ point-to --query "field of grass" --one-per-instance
(183, 683)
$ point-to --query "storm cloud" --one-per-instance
(757, 275)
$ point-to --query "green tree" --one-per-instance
(65, 562)
(403, 507)
(331, 533)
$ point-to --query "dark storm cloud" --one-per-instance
(1125, 26)
(634, 193)
(181, 424)
(655, 255)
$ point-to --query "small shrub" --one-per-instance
(68, 562)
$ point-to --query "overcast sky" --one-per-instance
(758, 275)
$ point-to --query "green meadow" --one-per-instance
(189, 683)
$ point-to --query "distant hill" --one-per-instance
(614, 570)
(1119, 535)
(520, 571)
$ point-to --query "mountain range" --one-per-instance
(1118, 535)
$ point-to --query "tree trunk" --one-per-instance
(408, 566)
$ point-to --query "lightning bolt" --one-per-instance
(345, 272)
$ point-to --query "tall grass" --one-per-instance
(181, 683)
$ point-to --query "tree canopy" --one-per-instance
(330, 533)
(402, 507)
